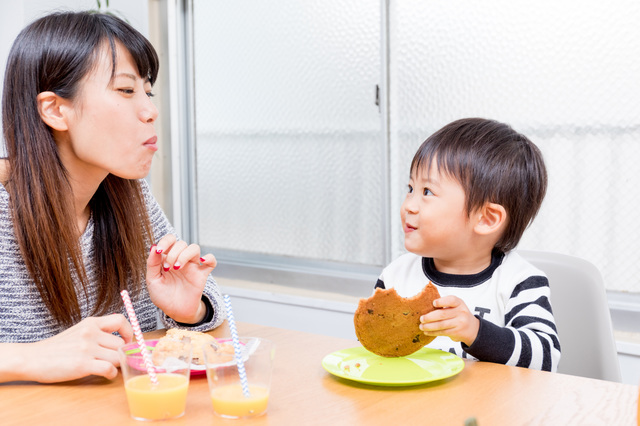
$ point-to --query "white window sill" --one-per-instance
(288, 295)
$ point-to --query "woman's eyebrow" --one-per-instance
(133, 77)
(128, 75)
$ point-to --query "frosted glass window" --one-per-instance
(292, 158)
(566, 74)
(289, 149)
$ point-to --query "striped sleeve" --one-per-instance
(529, 338)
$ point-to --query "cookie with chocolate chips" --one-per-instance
(389, 325)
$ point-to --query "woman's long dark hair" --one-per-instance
(54, 53)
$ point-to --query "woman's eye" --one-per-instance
(409, 189)
(427, 191)
(126, 91)
(150, 94)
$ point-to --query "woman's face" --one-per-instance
(110, 126)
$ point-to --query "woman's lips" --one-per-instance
(151, 143)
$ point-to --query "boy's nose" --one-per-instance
(410, 205)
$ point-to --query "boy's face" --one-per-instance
(434, 218)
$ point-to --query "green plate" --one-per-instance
(423, 366)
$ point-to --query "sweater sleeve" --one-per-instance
(530, 337)
(161, 227)
(212, 295)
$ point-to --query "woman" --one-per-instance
(77, 222)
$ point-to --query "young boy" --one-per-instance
(475, 185)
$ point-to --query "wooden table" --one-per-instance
(303, 393)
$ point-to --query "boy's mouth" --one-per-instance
(409, 228)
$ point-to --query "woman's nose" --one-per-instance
(149, 112)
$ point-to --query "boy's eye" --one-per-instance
(126, 91)
(410, 189)
(427, 191)
(150, 94)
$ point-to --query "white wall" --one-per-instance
(14, 15)
(311, 313)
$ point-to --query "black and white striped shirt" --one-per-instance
(511, 298)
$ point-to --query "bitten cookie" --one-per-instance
(389, 325)
(171, 342)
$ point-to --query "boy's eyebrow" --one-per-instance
(431, 181)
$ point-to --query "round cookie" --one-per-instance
(389, 325)
(171, 340)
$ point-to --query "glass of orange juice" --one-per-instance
(231, 396)
(162, 397)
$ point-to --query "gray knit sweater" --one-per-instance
(25, 318)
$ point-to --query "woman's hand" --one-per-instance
(87, 348)
(176, 276)
(453, 319)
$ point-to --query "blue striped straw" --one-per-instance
(236, 347)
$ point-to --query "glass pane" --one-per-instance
(290, 154)
(563, 73)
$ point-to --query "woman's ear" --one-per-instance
(492, 219)
(52, 109)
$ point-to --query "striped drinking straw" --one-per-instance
(138, 333)
(236, 347)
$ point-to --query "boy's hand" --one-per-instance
(453, 320)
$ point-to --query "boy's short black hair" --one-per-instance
(493, 163)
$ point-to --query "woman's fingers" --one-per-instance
(209, 260)
(102, 368)
(164, 244)
(182, 253)
(172, 254)
(116, 323)
(87, 348)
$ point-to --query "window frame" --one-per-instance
(334, 277)
(179, 200)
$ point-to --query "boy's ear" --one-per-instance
(52, 109)
(492, 218)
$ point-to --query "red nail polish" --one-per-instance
(202, 260)
(158, 251)
(151, 249)
(176, 267)
(166, 268)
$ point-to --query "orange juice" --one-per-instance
(165, 400)
(229, 401)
